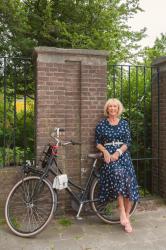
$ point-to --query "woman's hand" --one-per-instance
(115, 156)
(107, 156)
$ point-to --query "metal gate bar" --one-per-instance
(133, 86)
(16, 85)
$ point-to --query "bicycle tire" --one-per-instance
(30, 206)
(106, 211)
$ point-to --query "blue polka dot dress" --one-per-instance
(117, 177)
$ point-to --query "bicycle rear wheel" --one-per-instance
(30, 206)
(106, 211)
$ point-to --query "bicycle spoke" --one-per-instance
(107, 211)
(42, 211)
(30, 206)
(33, 220)
(39, 217)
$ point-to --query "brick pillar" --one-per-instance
(159, 126)
(71, 93)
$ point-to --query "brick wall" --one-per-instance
(8, 178)
(159, 124)
(71, 93)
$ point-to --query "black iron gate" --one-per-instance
(16, 110)
(133, 86)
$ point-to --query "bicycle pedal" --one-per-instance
(79, 218)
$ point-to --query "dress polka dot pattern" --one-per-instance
(117, 177)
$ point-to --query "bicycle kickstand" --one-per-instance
(79, 211)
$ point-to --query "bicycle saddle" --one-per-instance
(96, 156)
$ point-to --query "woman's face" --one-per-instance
(113, 109)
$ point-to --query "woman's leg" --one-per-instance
(127, 205)
(122, 212)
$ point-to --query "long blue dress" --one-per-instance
(117, 177)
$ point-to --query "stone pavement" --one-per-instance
(92, 234)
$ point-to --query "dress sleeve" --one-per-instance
(98, 135)
(127, 139)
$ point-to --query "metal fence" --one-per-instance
(133, 86)
(16, 110)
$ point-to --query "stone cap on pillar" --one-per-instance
(60, 55)
(160, 62)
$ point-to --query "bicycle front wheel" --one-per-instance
(30, 206)
(106, 211)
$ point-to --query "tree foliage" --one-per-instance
(90, 24)
(149, 54)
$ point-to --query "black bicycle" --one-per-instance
(33, 200)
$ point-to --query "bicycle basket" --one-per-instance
(60, 181)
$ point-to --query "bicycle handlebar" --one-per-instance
(70, 142)
(61, 130)
(56, 135)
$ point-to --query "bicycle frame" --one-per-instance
(33, 200)
(83, 199)
(84, 191)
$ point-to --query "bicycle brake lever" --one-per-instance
(75, 143)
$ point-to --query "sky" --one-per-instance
(153, 18)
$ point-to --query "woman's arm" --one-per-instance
(107, 155)
(119, 152)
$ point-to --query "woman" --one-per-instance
(117, 176)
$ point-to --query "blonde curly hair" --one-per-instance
(115, 101)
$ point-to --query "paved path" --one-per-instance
(91, 234)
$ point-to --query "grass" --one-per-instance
(65, 222)
(15, 223)
(78, 237)
(3, 221)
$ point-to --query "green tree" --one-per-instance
(149, 54)
(14, 29)
(91, 24)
